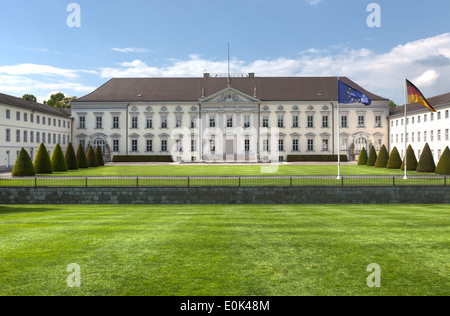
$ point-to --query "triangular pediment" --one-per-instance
(229, 95)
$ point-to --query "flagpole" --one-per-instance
(406, 134)
(339, 136)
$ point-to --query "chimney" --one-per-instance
(206, 75)
(251, 75)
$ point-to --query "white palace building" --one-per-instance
(213, 119)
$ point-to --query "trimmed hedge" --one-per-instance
(443, 166)
(81, 158)
(42, 162)
(92, 160)
(99, 157)
(142, 159)
(372, 157)
(426, 162)
(23, 166)
(58, 160)
(382, 158)
(324, 158)
(412, 160)
(395, 161)
(362, 160)
(71, 158)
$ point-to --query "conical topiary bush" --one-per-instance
(443, 166)
(372, 157)
(81, 158)
(42, 162)
(382, 158)
(395, 161)
(58, 160)
(23, 166)
(92, 160)
(426, 162)
(362, 160)
(99, 156)
(71, 158)
(411, 160)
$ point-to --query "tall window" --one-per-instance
(360, 121)
(31, 137)
(8, 135)
(247, 145)
(378, 121)
(266, 145)
(149, 122)
(344, 121)
(25, 117)
(193, 145)
(325, 143)
(193, 122)
(149, 145)
(115, 122)
(38, 137)
(164, 122)
(212, 121)
(179, 145)
(25, 136)
(295, 146)
(310, 144)
(212, 146)
(265, 122)
(99, 122)
(134, 145)
(246, 121)
(295, 121)
(281, 144)
(179, 121)
(310, 121)
(325, 121)
(447, 134)
(164, 145)
(280, 121)
(134, 122)
(229, 121)
(8, 114)
(18, 136)
(82, 121)
(18, 116)
(116, 145)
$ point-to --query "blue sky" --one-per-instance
(41, 54)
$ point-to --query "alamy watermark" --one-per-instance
(374, 279)
(74, 18)
(374, 18)
(74, 278)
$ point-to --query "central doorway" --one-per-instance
(229, 150)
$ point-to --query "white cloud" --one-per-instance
(427, 79)
(313, 2)
(131, 50)
(35, 69)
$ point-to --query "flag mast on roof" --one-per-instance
(229, 72)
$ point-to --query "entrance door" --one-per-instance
(230, 149)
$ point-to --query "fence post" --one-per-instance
(35, 182)
(445, 181)
(239, 181)
(393, 181)
(189, 182)
(342, 181)
(291, 182)
(137, 182)
(86, 181)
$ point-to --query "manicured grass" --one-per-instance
(225, 250)
(229, 170)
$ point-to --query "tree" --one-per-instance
(393, 105)
(71, 158)
(382, 158)
(411, 160)
(42, 162)
(372, 157)
(395, 161)
(92, 160)
(81, 158)
(443, 166)
(362, 160)
(99, 156)
(58, 160)
(23, 166)
(29, 97)
(426, 161)
(59, 100)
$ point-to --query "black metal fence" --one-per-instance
(223, 181)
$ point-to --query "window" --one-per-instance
(392, 123)
(64, 124)
(439, 115)
(266, 145)
(99, 122)
(25, 136)
(59, 123)
(295, 121)
(265, 121)
(18, 136)
(82, 121)
(439, 135)
(432, 136)
(418, 119)
(432, 117)
(439, 154)
(310, 121)
(64, 139)
(396, 138)
(325, 121)
(325, 143)
(116, 145)
(38, 137)
(59, 138)
(82, 142)
(149, 122)
(412, 137)
(344, 121)
(212, 146)
(402, 137)
(149, 145)
(54, 122)
(310, 144)
(295, 144)
(193, 145)
(361, 121)
(412, 120)
(25, 117)
(425, 118)
(193, 122)
(280, 121)
(68, 124)
(31, 137)
(164, 145)
(447, 134)
(43, 120)
(134, 122)
(425, 136)
(134, 145)
(50, 138)
(418, 137)
(164, 124)
(229, 121)
(32, 118)
(246, 121)
(38, 120)
(179, 145)
(402, 121)
(212, 121)
(247, 145)
(115, 122)
(446, 114)
(179, 121)
(281, 145)
(18, 116)
(396, 122)
(8, 135)
(8, 114)
(378, 121)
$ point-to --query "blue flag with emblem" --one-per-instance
(347, 94)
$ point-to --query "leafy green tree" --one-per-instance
(395, 161)
(92, 160)
(362, 160)
(29, 97)
(59, 100)
(382, 158)
(23, 166)
(71, 158)
(426, 161)
(99, 156)
(443, 166)
(411, 160)
(81, 158)
(372, 157)
(42, 162)
(58, 160)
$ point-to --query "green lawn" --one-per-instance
(229, 170)
(225, 250)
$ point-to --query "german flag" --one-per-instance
(415, 96)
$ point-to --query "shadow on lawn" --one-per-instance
(4, 209)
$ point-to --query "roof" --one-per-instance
(191, 89)
(436, 102)
(34, 106)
